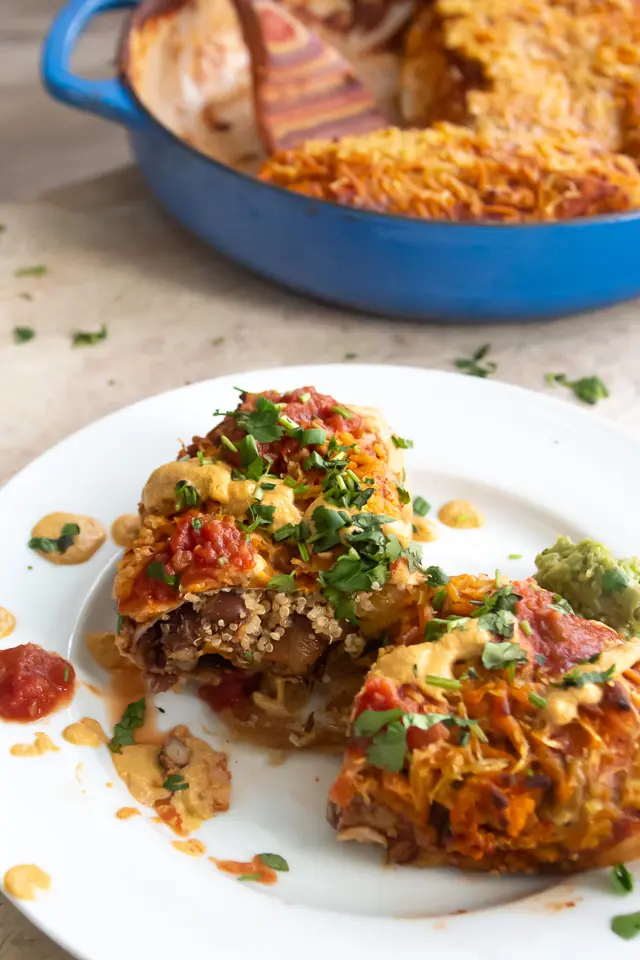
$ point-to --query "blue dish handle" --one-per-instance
(106, 98)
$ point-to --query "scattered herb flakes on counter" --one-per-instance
(621, 879)
(350, 356)
(25, 296)
(58, 545)
(472, 367)
(38, 270)
(3, 227)
(132, 719)
(275, 861)
(218, 341)
(587, 389)
(87, 338)
(23, 334)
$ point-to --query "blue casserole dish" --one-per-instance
(390, 265)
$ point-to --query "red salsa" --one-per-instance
(33, 682)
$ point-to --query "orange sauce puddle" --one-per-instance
(254, 869)
(192, 848)
(125, 687)
(125, 813)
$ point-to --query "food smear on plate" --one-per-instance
(33, 683)
(191, 847)
(508, 741)
(85, 733)
(126, 813)
(184, 780)
(460, 514)
(125, 529)
(255, 870)
(42, 744)
(25, 880)
(424, 530)
(593, 582)
(102, 646)
(273, 554)
(7, 622)
(67, 538)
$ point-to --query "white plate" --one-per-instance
(535, 466)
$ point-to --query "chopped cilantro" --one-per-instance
(343, 412)
(436, 577)
(260, 515)
(403, 495)
(23, 334)
(60, 545)
(156, 571)
(196, 523)
(131, 719)
(262, 423)
(421, 507)
(621, 879)
(561, 605)
(327, 523)
(472, 366)
(578, 678)
(497, 656)
(501, 622)
(283, 583)
(87, 338)
(587, 389)
(350, 356)
(439, 599)
(38, 270)
(274, 860)
(217, 341)
(186, 495)
(175, 782)
(389, 745)
(401, 443)
(248, 450)
(369, 722)
(626, 925)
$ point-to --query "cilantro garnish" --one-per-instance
(274, 860)
(56, 545)
(283, 583)
(186, 495)
(501, 622)
(472, 365)
(327, 523)
(401, 443)
(436, 577)
(156, 571)
(23, 334)
(196, 523)
(626, 925)
(389, 745)
(87, 338)
(175, 783)
(38, 270)
(587, 389)
(260, 515)
(439, 598)
(403, 495)
(496, 656)
(119, 621)
(261, 423)
(621, 879)
(132, 719)
(614, 580)
(561, 605)
(578, 678)
(421, 507)
(248, 450)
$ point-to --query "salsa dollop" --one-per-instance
(33, 682)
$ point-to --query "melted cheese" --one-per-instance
(213, 482)
(563, 705)
(412, 664)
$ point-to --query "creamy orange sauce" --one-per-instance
(102, 647)
(93, 689)
(85, 733)
(192, 848)
(7, 622)
(90, 538)
(205, 774)
(460, 514)
(125, 529)
(125, 813)
(254, 869)
(42, 744)
(424, 531)
(126, 686)
(24, 880)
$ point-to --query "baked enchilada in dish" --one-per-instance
(507, 740)
(278, 541)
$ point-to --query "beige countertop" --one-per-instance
(176, 313)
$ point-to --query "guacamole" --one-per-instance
(597, 586)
